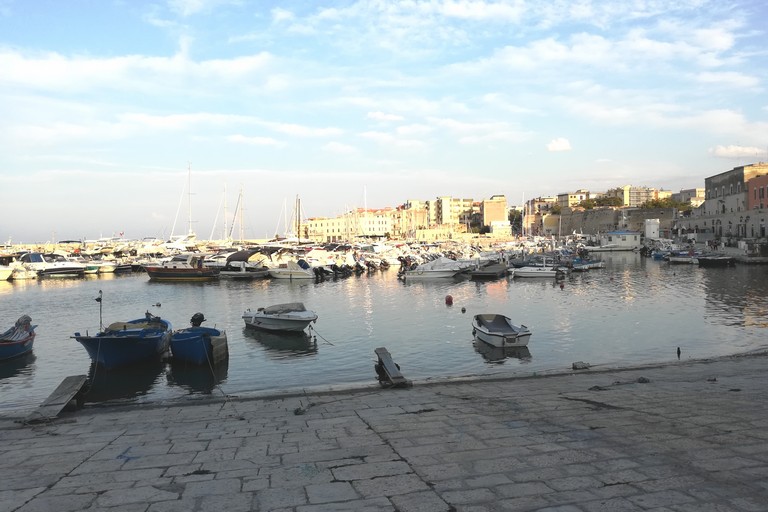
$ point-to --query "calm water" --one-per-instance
(634, 311)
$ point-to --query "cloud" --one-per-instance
(731, 79)
(187, 8)
(304, 131)
(338, 147)
(281, 15)
(734, 151)
(381, 116)
(559, 144)
(255, 141)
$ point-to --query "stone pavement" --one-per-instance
(688, 436)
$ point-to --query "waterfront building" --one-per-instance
(632, 196)
(571, 199)
(494, 210)
(693, 196)
(725, 213)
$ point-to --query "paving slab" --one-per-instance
(688, 435)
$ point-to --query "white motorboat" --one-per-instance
(52, 265)
(540, 270)
(289, 317)
(499, 331)
(292, 270)
(441, 268)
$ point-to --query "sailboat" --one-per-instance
(188, 242)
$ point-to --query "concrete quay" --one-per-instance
(685, 436)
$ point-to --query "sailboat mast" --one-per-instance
(240, 200)
(225, 213)
(189, 189)
(298, 217)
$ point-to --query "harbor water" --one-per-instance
(634, 311)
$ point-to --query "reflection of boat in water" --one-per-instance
(123, 383)
(17, 366)
(283, 345)
(500, 354)
(197, 378)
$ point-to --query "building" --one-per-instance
(494, 210)
(633, 197)
(571, 199)
(693, 196)
(725, 213)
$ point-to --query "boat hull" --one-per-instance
(716, 261)
(16, 348)
(498, 331)
(199, 345)
(134, 343)
(181, 274)
(538, 272)
(283, 273)
(429, 274)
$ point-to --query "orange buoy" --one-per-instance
(449, 300)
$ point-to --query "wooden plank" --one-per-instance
(390, 373)
(69, 388)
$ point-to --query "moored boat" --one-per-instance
(124, 343)
(182, 267)
(199, 345)
(292, 270)
(499, 331)
(716, 260)
(289, 317)
(18, 340)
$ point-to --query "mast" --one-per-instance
(240, 200)
(225, 213)
(189, 188)
(298, 218)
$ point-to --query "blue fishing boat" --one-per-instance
(18, 340)
(124, 343)
(199, 345)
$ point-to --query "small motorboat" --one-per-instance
(182, 267)
(499, 331)
(289, 317)
(18, 340)
(124, 343)
(199, 345)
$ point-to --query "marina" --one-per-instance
(636, 310)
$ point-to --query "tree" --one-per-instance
(556, 209)
(516, 221)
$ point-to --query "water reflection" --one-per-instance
(23, 365)
(499, 355)
(283, 345)
(122, 384)
(197, 378)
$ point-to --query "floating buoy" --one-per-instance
(449, 300)
(463, 310)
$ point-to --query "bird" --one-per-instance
(156, 304)
(678, 352)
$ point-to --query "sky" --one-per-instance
(150, 118)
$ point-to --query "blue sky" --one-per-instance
(106, 105)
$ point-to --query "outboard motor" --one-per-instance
(197, 319)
